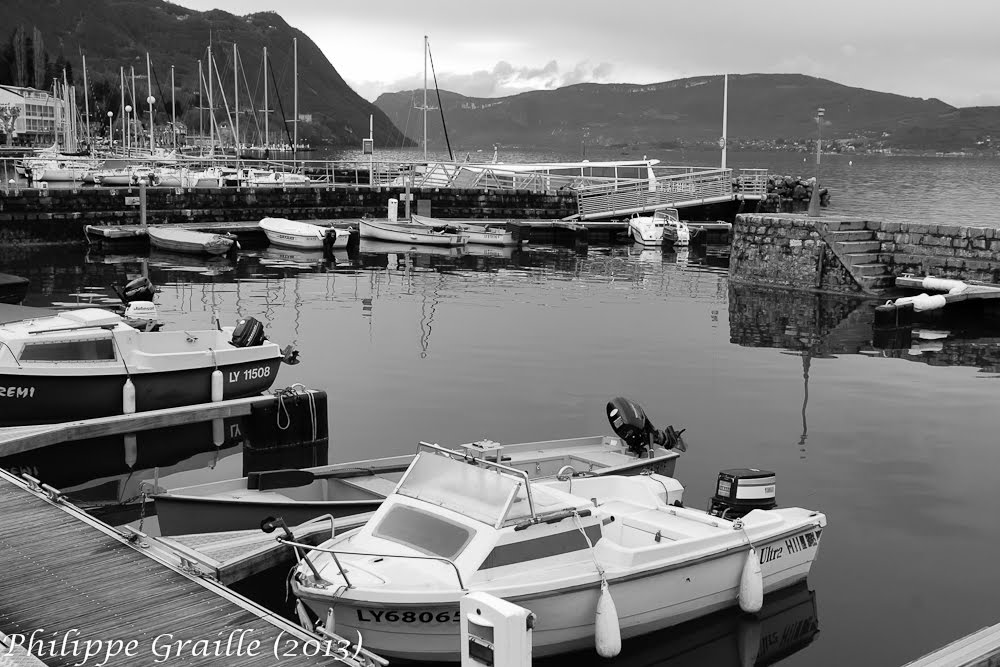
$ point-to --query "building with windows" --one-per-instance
(41, 116)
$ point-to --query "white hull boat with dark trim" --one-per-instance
(81, 364)
(303, 235)
(560, 548)
(396, 232)
(481, 234)
(663, 227)
(360, 486)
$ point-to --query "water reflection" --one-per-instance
(787, 624)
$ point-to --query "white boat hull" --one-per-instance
(565, 618)
(302, 235)
(409, 234)
(479, 234)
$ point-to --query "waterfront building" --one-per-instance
(40, 115)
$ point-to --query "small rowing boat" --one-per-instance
(190, 241)
(481, 234)
(396, 232)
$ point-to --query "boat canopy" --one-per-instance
(478, 491)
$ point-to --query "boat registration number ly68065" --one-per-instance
(409, 616)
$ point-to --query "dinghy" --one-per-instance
(482, 234)
(361, 486)
(303, 235)
(190, 242)
(664, 226)
(78, 364)
(396, 232)
(596, 558)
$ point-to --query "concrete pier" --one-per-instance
(859, 256)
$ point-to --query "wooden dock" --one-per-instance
(66, 575)
(18, 439)
(232, 556)
(980, 649)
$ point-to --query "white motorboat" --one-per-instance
(395, 232)
(80, 364)
(560, 548)
(481, 234)
(258, 178)
(360, 486)
(664, 226)
(303, 235)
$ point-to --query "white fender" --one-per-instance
(216, 385)
(943, 284)
(922, 302)
(331, 624)
(751, 595)
(607, 634)
(218, 432)
(304, 619)
(128, 397)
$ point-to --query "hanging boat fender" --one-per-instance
(607, 633)
(303, 614)
(216, 385)
(923, 301)
(128, 397)
(751, 596)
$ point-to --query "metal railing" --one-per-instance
(676, 190)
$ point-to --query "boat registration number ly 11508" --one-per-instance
(409, 616)
(250, 374)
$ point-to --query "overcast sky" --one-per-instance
(949, 50)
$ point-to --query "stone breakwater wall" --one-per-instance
(59, 215)
(850, 255)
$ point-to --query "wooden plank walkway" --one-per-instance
(234, 555)
(980, 649)
(17, 439)
(65, 574)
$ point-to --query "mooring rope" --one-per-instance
(293, 391)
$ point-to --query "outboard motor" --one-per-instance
(630, 423)
(140, 289)
(249, 332)
(740, 490)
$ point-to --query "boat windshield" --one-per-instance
(480, 493)
(666, 214)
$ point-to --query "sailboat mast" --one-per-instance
(725, 116)
(267, 136)
(86, 99)
(295, 121)
(425, 97)
(149, 100)
(201, 105)
(135, 110)
(236, 102)
(121, 72)
(173, 108)
(211, 103)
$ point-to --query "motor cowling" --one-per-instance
(741, 490)
(249, 332)
(630, 423)
(140, 289)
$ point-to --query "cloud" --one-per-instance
(499, 81)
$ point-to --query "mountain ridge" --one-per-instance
(778, 108)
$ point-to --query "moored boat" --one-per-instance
(12, 288)
(481, 234)
(303, 235)
(190, 241)
(79, 364)
(396, 232)
(360, 486)
(560, 547)
(663, 227)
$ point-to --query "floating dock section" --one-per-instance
(70, 583)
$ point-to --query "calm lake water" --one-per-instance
(895, 441)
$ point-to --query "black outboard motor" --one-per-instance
(630, 423)
(740, 490)
(140, 289)
(248, 332)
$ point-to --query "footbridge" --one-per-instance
(678, 190)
